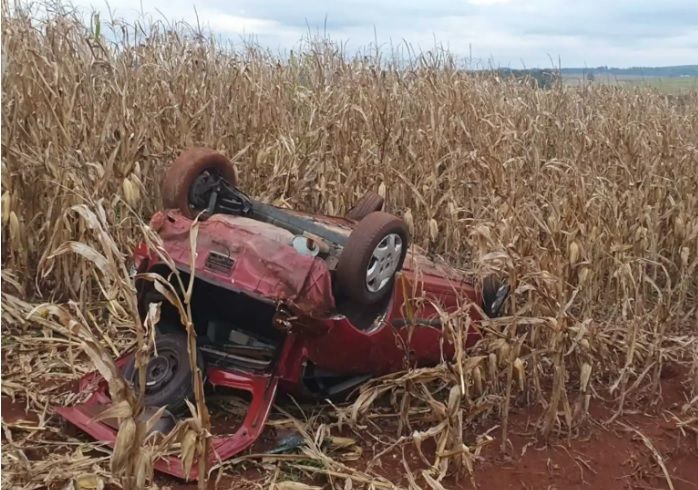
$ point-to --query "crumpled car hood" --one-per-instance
(251, 257)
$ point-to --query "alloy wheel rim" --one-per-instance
(383, 262)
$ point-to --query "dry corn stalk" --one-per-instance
(584, 197)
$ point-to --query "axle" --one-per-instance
(216, 195)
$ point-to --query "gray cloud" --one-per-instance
(503, 32)
(629, 22)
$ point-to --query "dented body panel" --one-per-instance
(259, 260)
(248, 256)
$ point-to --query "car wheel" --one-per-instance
(374, 252)
(369, 203)
(180, 177)
(494, 295)
(168, 375)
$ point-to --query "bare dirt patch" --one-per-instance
(604, 456)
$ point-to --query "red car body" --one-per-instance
(257, 260)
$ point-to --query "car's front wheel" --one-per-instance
(494, 295)
(373, 254)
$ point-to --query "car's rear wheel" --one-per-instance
(168, 375)
(179, 179)
(373, 254)
(369, 203)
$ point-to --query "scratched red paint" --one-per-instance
(264, 265)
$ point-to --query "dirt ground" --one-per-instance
(604, 456)
(615, 455)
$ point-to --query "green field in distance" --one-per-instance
(669, 85)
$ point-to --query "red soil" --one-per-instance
(611, 456)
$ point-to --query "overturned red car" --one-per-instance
(283, 301)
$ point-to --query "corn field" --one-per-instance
(586, 198)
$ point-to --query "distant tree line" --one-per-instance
(549, 78)
(536, 77)
(647, 71)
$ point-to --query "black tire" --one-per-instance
(369, 203)
(179, 178)
(490, 288)
(351, 275)
(173, 388)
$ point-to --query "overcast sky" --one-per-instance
(511, 33)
